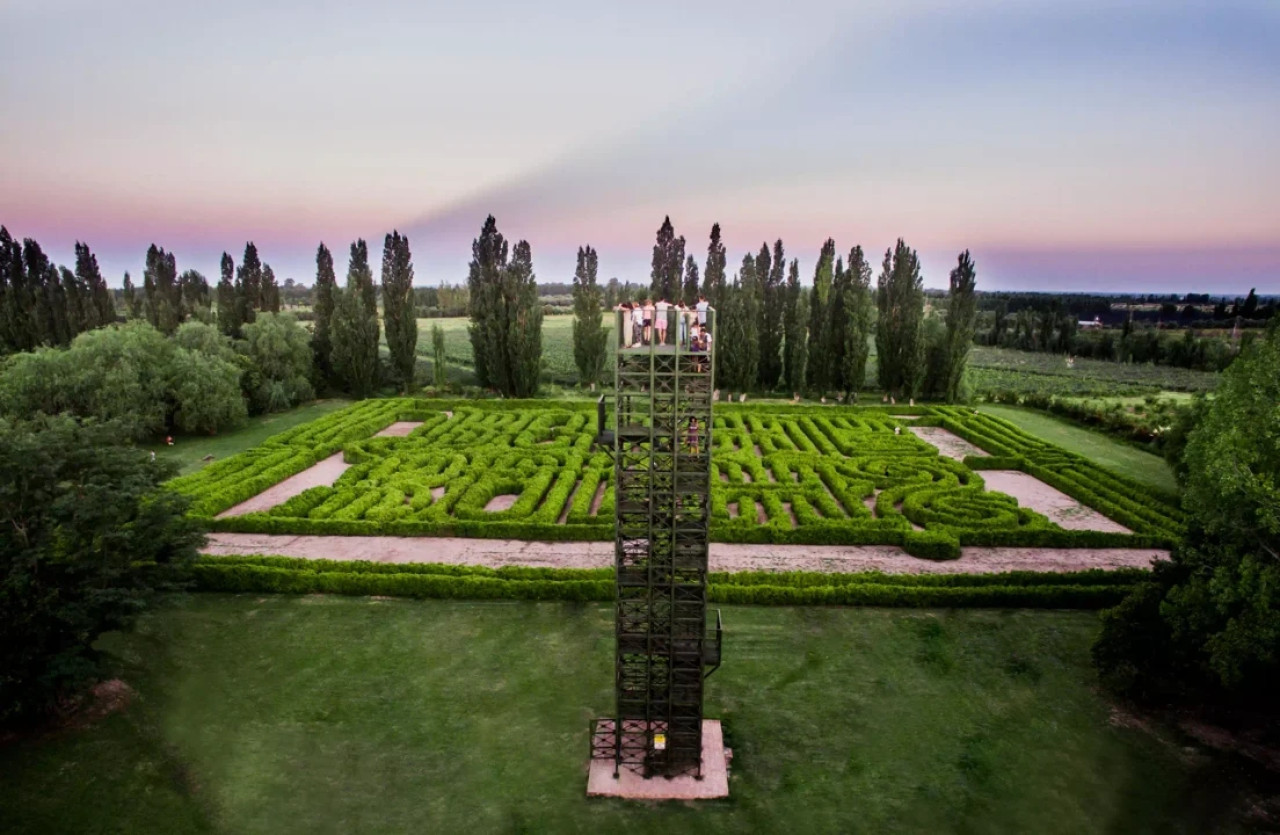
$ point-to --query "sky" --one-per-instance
(1071, 145)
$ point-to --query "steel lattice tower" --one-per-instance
(662, 481)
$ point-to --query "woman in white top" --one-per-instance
(637, 324)
(660, 320)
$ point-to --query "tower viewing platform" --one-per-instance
(661, 444)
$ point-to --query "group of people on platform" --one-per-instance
(650, 322)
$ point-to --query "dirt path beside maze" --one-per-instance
(496, 553)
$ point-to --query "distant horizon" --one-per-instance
(1260, 268)
(1071, 147)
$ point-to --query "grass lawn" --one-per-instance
(188, 451)
(328, 714)
(1118, 457)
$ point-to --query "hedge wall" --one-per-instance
(1080, 590)
(780, 474)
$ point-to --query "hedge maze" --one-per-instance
(783, 474)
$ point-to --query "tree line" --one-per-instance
(190, 358)
(774, 334)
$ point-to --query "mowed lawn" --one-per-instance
(1118, 457)
(278, 714)
(189, 451)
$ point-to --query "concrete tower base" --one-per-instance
(629, 784)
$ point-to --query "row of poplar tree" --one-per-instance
(774, 334)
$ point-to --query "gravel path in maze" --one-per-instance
(948, 443)
(323, 474)
(496, 553)
(1061, 509)
(1030, 491)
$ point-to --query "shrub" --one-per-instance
(278, 351)
(87, 538)
(932, 545)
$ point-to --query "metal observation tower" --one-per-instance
(661, 443)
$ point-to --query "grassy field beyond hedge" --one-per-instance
(1121, 458)
(321, 714)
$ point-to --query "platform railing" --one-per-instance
(683, 326)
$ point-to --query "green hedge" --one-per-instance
(811, 470)
(932, 545)
(1089, 589)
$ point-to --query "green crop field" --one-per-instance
(817, 475)
(1143, 466)
(557, 347)
(315, 714)
(993, 369)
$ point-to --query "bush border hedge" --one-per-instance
(1093, 589)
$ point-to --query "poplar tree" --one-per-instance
(326, 283)
(438, 369)
(160, 286)
(668, 262)
(193, 293)
(735, 361)
(524, 348)
(900, 327)
(398, 309)
(249, 283)
(270, 293)
(486, 306)
(962, 312)
(41, 301)
(793, 332)
(100, 310)
(744, 342)
(590, 337)
(818, 371)
(771, 273)
(506, 316)
(132, 304)
(73, 313)
(690, 281)
(10, 253)
(355, 327)
(229, 321)
(855, 332)
(713, 280)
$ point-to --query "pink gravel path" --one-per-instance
(323, 474)
(948, 443)
(399, 429)
(724, 556)
(1058, 506)
(502, 502)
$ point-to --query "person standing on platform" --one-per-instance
(648, 320)
(637, 325)
(660, 309)
(702, 308)
(625, 319)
